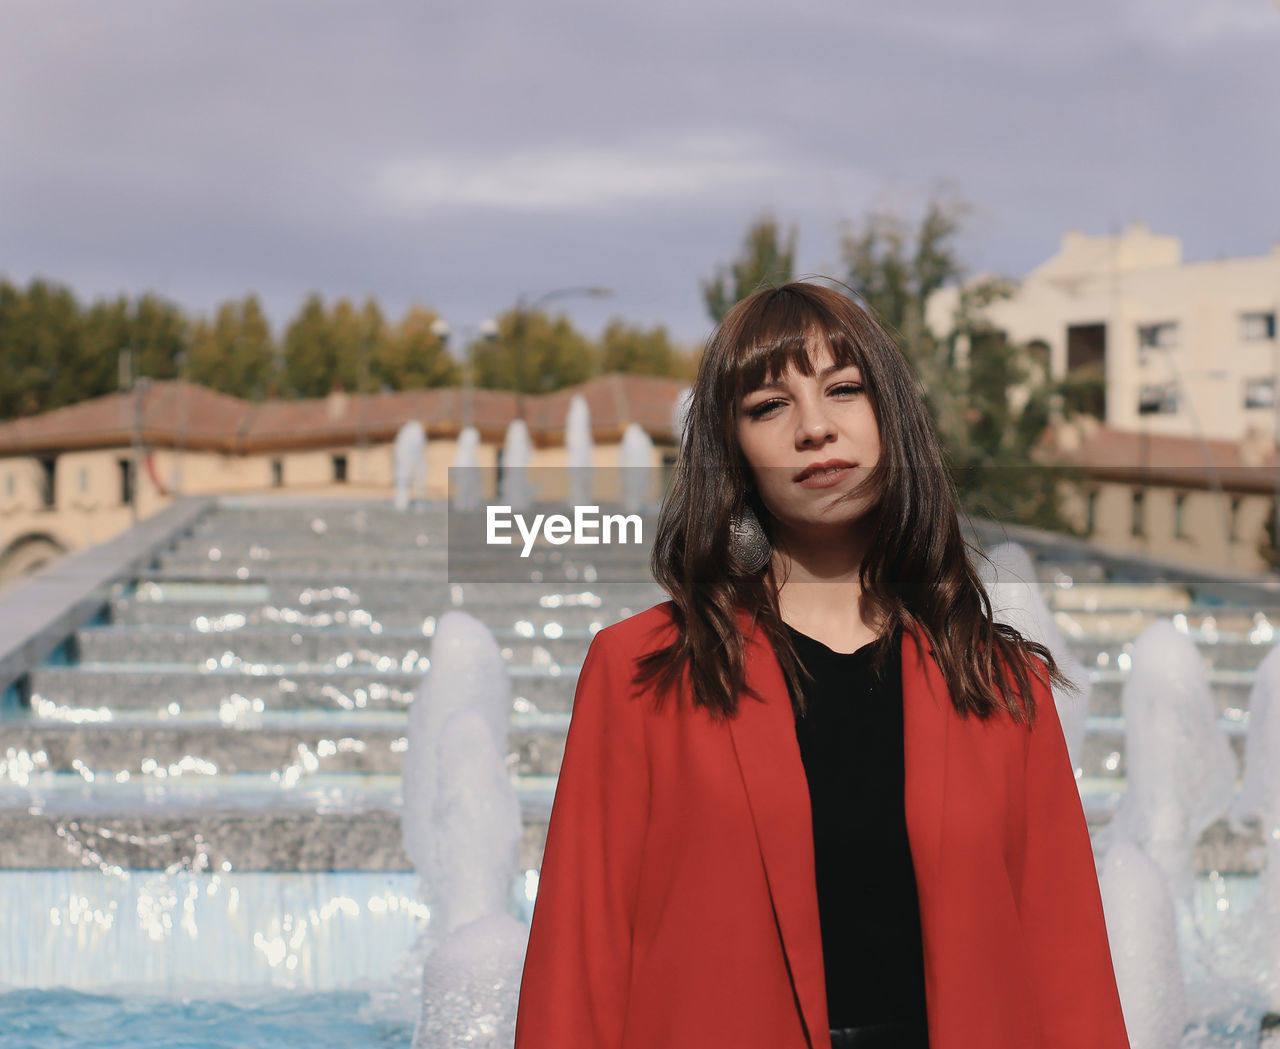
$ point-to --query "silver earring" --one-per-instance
(748, 545)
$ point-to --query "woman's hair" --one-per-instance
(916, 572)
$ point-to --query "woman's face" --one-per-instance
(788, 430)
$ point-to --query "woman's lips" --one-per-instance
(825, 480)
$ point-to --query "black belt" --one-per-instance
(881, 1036)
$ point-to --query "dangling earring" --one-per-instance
(748, 545)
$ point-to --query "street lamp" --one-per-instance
(526, 306)
(487, 330)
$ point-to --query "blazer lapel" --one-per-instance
(764, 741)
(926, 719)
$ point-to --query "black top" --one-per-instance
(851, 742)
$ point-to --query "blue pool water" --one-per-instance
(45, 1019)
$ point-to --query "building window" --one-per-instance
(1257, 326)
(1260, 393)
(1180, 515)
(126, 481)
(1137, 513)
(1158, 398)
(1233, 519)
(1162, 336)
(1091, 512)
(49, 481)
(340, 469)
(84, 479)
(277, 473)
(10, 485)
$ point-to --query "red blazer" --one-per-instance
(677, 906)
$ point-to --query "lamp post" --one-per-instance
(525, 306)
(487, 330)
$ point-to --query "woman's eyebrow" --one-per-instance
(777, 384)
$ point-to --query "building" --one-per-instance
(1185, 349)
(1179, 458)
(1200, 502)
(79, 475)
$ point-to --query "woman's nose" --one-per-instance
(815, 425)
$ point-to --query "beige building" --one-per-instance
(1198, 502)
(1186, 349)
(1180, 461)
(79, 475)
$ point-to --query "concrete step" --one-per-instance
(1104, 746)
(1230, 690)
(233, 691)
(293, 743)
(220, 614)
(1206, 622)
(328, 649)
(344, 590)
(306, 834)
(290, 751)
(302, 830)
(1234, 653)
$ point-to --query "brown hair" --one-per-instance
(917, 571)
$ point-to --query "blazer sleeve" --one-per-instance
(1061, 904)
(573, 994)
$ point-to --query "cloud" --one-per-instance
(1184, 27)
(578, 179)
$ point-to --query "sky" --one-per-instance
(463, 155)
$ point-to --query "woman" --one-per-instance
(720, 869)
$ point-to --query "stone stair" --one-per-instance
(244, 699)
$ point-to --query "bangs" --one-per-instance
(780, 332)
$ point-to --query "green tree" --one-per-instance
(160, 337)
(106, 341)
(413, 356)
(767, 256)
(639, 351)
(235, 352)
(533, 353)
(989, 407)
(41, 335)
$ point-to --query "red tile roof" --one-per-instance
(1133, 457)
(181, 414)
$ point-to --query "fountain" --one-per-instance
(1143, 931)
(1181, 772)
(204, 795)
(577, 439)
(410, 464)
(465, 473)
(462, 828)
(680, 413)
(1010, 579)
(514, 488)
(1180, 778)
(636, 458)
(1259, 797)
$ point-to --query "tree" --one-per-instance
(533, 353)
(235, 353)
(159, 335)
(413, 356)
(989, 409)
(106, 339)
(41, 332)
(766, 257)
(639, 351)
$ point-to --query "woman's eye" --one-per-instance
(759, 411)
(848, 388)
